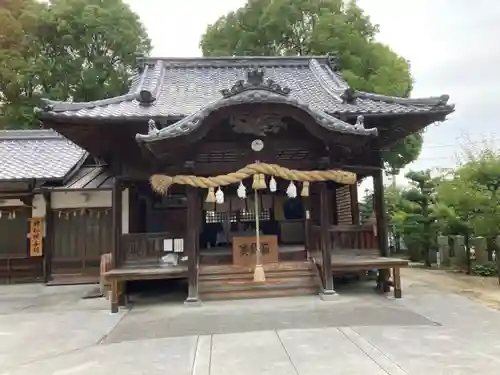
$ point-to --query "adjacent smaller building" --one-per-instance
(54, 209)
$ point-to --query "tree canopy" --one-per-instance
(79, 50)
(319, 27)
(469, 201)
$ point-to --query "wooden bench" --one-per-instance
(342, 262)
(114, 279)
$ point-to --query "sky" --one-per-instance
(452, 46)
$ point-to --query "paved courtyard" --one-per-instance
(52, 330)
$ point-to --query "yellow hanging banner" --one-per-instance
(36, 237)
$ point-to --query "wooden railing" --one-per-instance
(345, 238)
(357, 237)
(140, 248)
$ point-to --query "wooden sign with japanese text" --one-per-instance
(245, 248)
(36, 237)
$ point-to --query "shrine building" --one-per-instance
(236, 174)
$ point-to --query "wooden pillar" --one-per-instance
(380, 213)
(49, 238)
(382, 228)
(116, 199)
(325, 211)
(192, 244)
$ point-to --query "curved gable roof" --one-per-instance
(174, 88)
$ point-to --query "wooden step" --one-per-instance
(249, 294)
(235, 282)
(250, 284)
(231, 269)
(249, 275)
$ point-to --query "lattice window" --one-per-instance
(344, 210)
(215, 217)
(245, 216)
(250, 215)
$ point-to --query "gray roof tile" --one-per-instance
(87, 178)
(37, 154)
(181, 87)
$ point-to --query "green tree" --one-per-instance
(319, 27)
(18, 24)
(469, 202)
(420, 223)
(79, 50)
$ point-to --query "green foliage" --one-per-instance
(366, 206)
(319, 27)
(79, 50)
(413, 216)
(485, 270)
(402, 153)
(469, 201)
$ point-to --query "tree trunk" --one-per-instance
(467, 253)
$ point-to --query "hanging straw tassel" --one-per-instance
(210, 196)
(305, 189)
(255, 182)
(262, 181)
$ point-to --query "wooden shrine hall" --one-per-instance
(252, 164)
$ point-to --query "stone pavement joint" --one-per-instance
(203, 355)
(385, 363)
(52, 331)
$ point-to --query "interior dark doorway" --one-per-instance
(279, 216)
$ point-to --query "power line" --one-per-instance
(455, 145)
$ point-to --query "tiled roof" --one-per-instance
(88, 178)
(179, 87)
(37, 154)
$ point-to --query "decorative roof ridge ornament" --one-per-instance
(350, 95)
(152, 128)
(332, 61)
(255, 81)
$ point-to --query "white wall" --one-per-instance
(10, 202)
(38, 209)
(62, 200)
(93, 199)
(125, 211)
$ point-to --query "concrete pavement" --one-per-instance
(51, 330)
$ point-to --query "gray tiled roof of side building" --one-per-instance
(37, 154)
(181, 87)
